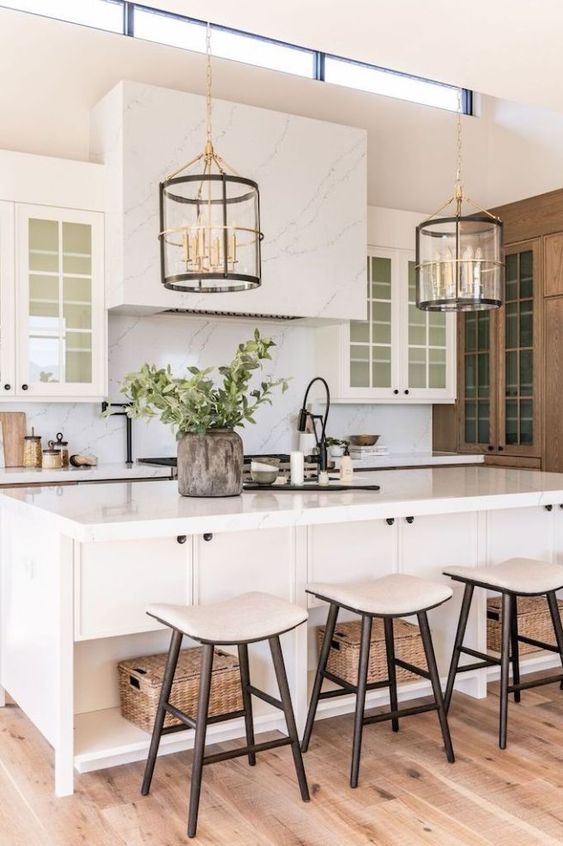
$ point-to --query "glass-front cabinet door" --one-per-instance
(429, 345)
(59, 302)
(372, 353)
(477, 353)
(520, 340)
(7, 290)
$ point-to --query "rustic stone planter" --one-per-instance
(210, 464)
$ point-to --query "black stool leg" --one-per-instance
(504, 666)
(321, 667)
(556, 620)
(171, 662)
(514, 647)
(285, 696)
(200, 732)
(435, 679)
(360, 699)
(458, 643)
(246, 699)
(391, 669)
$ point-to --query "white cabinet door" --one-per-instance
(7, 305)
(428, 344)
(521, 533)
(426, 547)
(60, 314)
(351, 552)
(114, 582)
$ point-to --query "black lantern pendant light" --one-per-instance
(209, 222)
(459, 256)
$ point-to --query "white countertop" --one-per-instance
(143, 510)
(103, 472)
(414, 459)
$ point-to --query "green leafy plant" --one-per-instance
(195, 403)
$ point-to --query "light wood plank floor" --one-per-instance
(408, 793)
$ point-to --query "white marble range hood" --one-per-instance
(312, 179)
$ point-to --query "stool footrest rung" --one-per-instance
(246, 750)
(490, 660)
(539, 643)
(400, 712)
(346, 687)
(479, 665)
(535, 683)
(189, 722)
(418, 671)
(265, 697)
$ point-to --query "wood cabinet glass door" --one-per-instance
(520, 339)
(477, 366)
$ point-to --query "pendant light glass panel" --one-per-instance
(460, 263)
(210, 233)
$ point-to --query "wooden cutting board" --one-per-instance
(13, 432)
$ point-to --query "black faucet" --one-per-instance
(304, 414)
(128, 427)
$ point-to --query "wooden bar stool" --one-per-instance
(389, 597)
(512, 578)
(248, 618)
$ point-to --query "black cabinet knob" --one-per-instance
(25, 387)
(396, 391)
(490, 447)
(7, 387)
(407, 390)
(500, 449)
(548, 507)
(208, 536)
(409, 519)
(391, 520)
(181, 538)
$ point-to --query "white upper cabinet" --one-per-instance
(397, 353)
(52, 321)
(313, 205)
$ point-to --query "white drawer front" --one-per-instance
(115, 581)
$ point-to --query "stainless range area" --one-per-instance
(311, 464)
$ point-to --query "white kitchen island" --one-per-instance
(80, 564)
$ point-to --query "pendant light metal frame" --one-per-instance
(468, 278)
(234, 189)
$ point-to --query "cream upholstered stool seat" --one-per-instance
(389, 597)
(512, 578)
(244, 619)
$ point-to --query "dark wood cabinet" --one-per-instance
(510, 362)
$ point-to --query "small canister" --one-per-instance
(52, 457)
(32, 450)
(62, 445)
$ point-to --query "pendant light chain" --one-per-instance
(459, 167)
(209, 81)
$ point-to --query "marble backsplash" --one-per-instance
(181, 341)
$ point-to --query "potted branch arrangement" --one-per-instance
(205, 414)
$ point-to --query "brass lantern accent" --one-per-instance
(459, 256)
(209, 222)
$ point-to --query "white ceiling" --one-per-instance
(506, 48)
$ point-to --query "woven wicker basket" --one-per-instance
(345, 650)
(534, 621)
(140, 680)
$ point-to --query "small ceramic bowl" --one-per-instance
(265, 471)
(364, 440)
(336, 451)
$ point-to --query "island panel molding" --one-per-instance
(312, 177)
